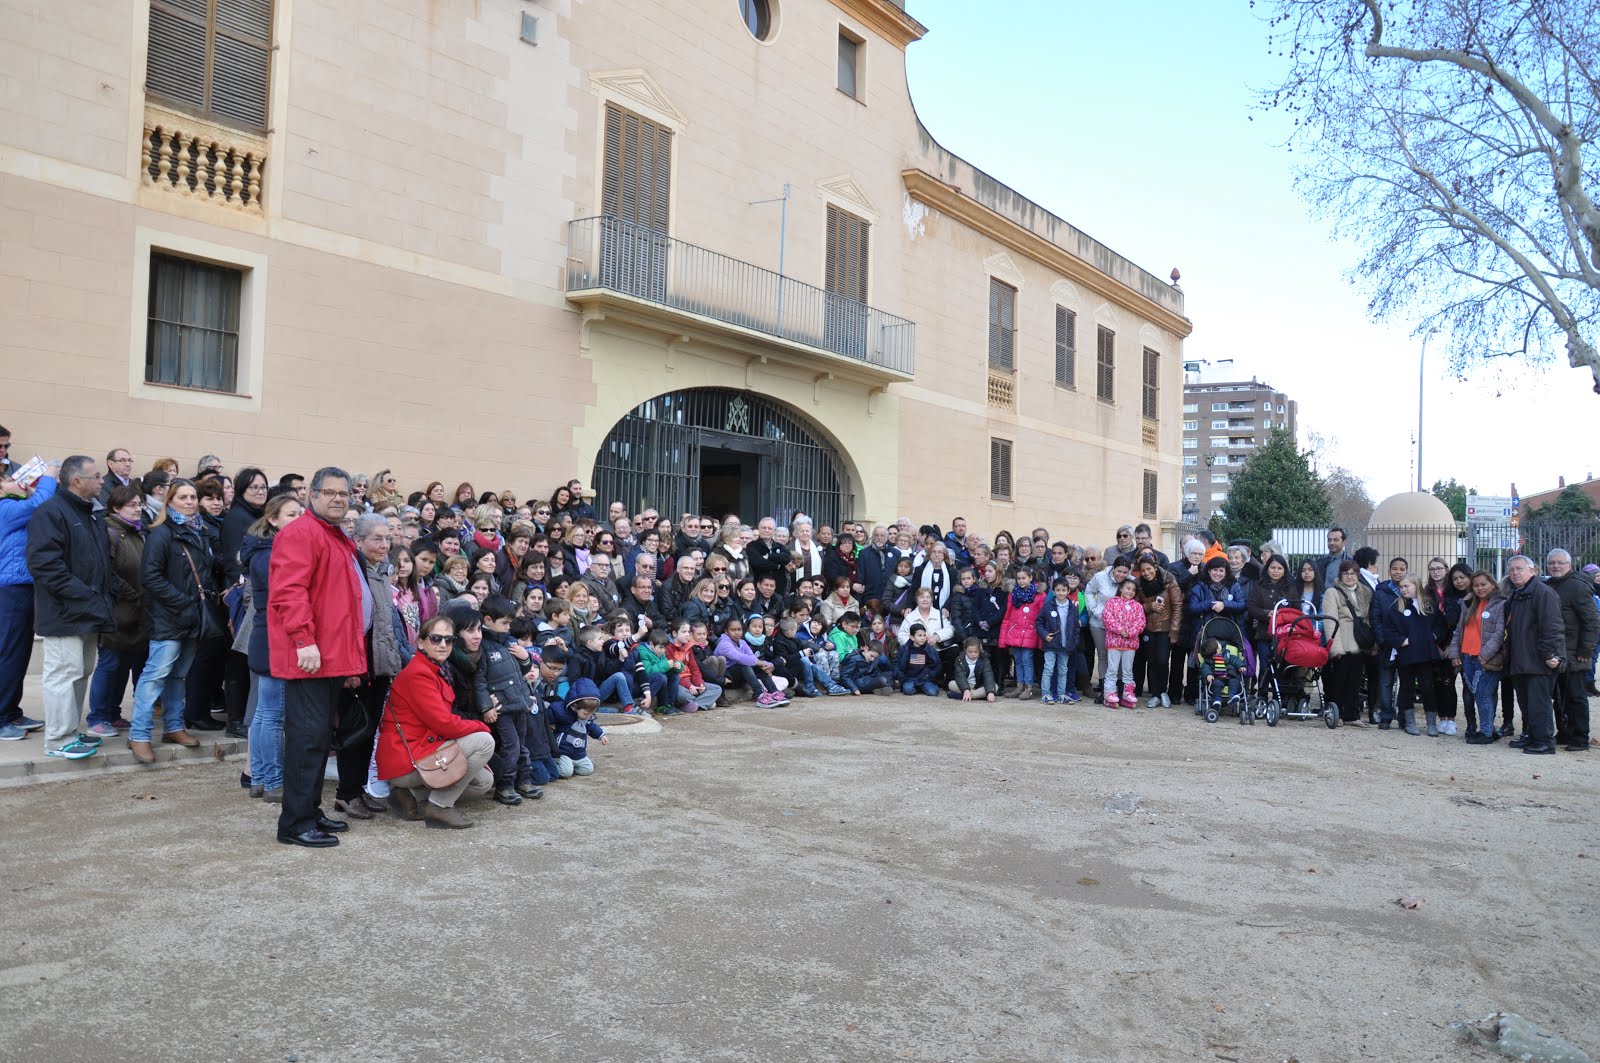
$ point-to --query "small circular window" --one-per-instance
(757, 15)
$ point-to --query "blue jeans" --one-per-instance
(618, 688)
(163, 678)
(266, 733)
(1024, 664)
(919, 686)
(816, 674)
(112, 671)
(1481, 684)
(1058, 673)
(16, 646)
(1388, 679)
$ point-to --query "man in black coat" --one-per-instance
(767, 556)
(70, 561)
(1536, 648)
(1580, 621)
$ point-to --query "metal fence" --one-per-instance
(635, 260)
(1486, 545)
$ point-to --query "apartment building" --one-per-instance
(702, 255)
(1224, 421)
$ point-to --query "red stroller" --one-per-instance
(1294, 668)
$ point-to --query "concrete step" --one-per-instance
(24, 763)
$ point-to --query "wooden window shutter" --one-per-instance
(1000, 468)
(636, 179)
(1106, 365)
(847, 255)
(1149, 493)
(1152, 384)
(1002, 325)
(213, 56)
(1066, 347)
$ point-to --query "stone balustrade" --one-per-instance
(201, 160)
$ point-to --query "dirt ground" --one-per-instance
(872, 879)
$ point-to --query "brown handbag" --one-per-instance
(440, 769)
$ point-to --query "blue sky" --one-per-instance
(1137, 129)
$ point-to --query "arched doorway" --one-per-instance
(718, 451)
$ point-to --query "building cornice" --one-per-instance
(950, 200)
(887, 18)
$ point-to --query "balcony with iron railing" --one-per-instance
(633, 270)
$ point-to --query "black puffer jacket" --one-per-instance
(172, 600)
(1534, 633)
(1579, 619)
(70, 562)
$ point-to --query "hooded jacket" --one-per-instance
(70, 563)
(172, 597)
(316, 600)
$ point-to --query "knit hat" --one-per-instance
(1591, 570)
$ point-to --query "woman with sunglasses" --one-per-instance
(417, 720)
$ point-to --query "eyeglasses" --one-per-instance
(441, 640)
(325, 493)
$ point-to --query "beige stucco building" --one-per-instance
(516, 240)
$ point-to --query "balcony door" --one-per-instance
(845, 324)
(635, 196)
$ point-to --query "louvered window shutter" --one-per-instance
(1149, 493)
(847, 255)
(1000, 468)
(1106, 364)
(1002, 325)
(637, 178)
(213, 56)
(1152, 383)
(1066, 347)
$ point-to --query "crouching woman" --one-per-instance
(417, 720)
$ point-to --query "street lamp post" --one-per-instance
(1421, 362)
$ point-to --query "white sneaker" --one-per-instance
(1166, 701)
(1154, 702)
(1449, 727)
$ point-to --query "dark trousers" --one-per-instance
(203, 687)
(1000, 658)
(16, 647)
(1157, 649)
(113, 669)
(1538, 712)
(359, 710)
(1183, 678)
(1416, 684)
(510, 740)
(1369, 681)
(1341, 683)
(309, 707)
(1572, 709)
(1444, 689)
(236, 685)
(1508, 705)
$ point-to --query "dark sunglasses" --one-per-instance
(441, 640)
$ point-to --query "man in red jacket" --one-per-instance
(318, 610)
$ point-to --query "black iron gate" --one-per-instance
(652, 457)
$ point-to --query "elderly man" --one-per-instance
(386, 653)
(119, 473)
(622, 530)
(1536, 647)
(640, 604)
(1580, 621)
(17, 506)
(319, 605)
(598, 579)
(875, 565)
(767, 556)
(70, 563)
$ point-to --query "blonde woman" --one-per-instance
(1409, 633)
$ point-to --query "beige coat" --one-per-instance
(1336, 603)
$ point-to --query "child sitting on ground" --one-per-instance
(744, 664)
(974, 675)
(574, 726)
(660, 674)
(694, 692)
(917, 670)
(824, 658)
(621, 652)
(867, 670)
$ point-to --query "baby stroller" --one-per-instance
(1230, 690)
(1292, 676)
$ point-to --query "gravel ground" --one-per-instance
(854, 878)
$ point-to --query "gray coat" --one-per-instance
(1491, 631)
(385, 639)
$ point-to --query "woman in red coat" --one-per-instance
(420, 705)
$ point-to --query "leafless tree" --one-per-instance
(1347, 496)
(1446, 137)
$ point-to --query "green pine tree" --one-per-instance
(1276, 489)
(1454, 495)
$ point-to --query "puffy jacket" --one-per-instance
(501, 676)
(255, 553)
(1060, 626)
(1168, 616)
(420, 703)
(1101, 590)
(983, 669)
(1017, 628)
(1206, 593)
(172, 598)
(1491, 630)
(1124, 620)
(1579, 619)
(316, 600)
(70, 562)
(389, 642)
(986, 609)
(856, 670)
(1534, 632)
(14, 516)
(874, 566)
(1412, 635)
(127, 607)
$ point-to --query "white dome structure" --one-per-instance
(1416, 526)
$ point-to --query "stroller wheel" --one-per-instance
(1330, 715)
(1271, 711)
(1244, 712)
(1211, 715)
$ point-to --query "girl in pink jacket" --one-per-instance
(1124, 620)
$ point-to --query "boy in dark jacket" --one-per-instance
(573, 722)
(622, 653)
(500, 686)
(539, 754)
(917, 670)
(1059, 625)
(789, 660)
(866, 670)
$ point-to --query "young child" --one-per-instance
(867, 670)
(1059, 631)
(620, 652)
(1222, 669)
(694, 693)
(756, 637)
(824, 659)
(1124, 620)
(743, 663)
(900, 596)
(589, 661)
(501, 683)
(789, 660)
(845, 635)
(660, 674)
(917, 670)
(574, 726)
(556, 626)
(538, 752)
(713, 667)
(974, 676)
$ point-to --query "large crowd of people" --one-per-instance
(450, 642)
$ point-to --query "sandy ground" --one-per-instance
(873, 879)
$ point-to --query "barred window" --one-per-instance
(193, 333)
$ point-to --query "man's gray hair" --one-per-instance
(326, 473)
(72, 468)
(368, 523)
(1558, 554)
(1524, 558)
